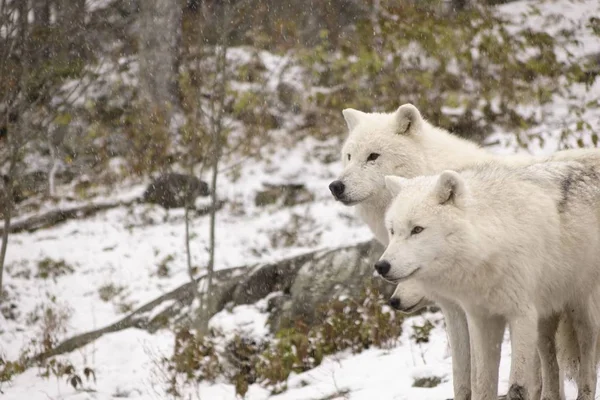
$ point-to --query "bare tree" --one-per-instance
(15, 45)
(216, 116)
(205, 135)
(27, 84)
(40, 29)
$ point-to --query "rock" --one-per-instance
(306, 281)
(268, 278)
(286, 194)
(335, 273)
(278, 306)
(175, 190)
(309, 280)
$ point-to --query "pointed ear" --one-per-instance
(408, 119)
(393, 184)
(352, 117)
(450, 187)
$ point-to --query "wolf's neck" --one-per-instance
(443, 150)
(373, 211)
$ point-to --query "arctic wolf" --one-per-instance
(508, 244)
(402, 143)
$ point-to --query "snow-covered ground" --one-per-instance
(123, 248)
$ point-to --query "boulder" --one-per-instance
(173, 190)
(310, 280)
(344, 271)
(265, 279)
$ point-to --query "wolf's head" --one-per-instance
(427, 225)
(379, 144)
(409, 297)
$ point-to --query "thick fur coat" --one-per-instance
(509, 243)
(402, 143)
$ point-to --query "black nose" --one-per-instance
(395, 303)
(383, 267)
(337, 188)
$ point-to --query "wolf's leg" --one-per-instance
(536, 391)
(458, 335)
(486, 334)
(524, 334)
(561, 383)
(537, 387)
(587, 335)
(547, 356)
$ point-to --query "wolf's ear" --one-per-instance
(450, 188)
(408, 119)
(393, 184)
(352, 117)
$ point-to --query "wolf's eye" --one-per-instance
(416, 230)
(373, 157)
(392, 231)
(348, 157)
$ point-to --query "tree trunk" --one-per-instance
(216, 118)
(41, 14)
(8, 206)
(40, 30)
(160, 26)
(188, 252)
(15, 138)
(77, 48)
(70, 17)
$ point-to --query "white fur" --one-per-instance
(420, 150)
(412, 297)
(506, 244)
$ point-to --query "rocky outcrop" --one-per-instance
(339, 272)
(306, 281)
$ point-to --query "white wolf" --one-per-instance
(404, 144)
(508, 244)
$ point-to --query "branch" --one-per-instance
(56, 216)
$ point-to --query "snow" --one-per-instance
(124, 364)
(248, 320)
(124, 246)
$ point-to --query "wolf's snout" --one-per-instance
(395, 303)
(337, 188)
(382, 267)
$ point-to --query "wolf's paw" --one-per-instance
(516, 392)
(585, 393)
